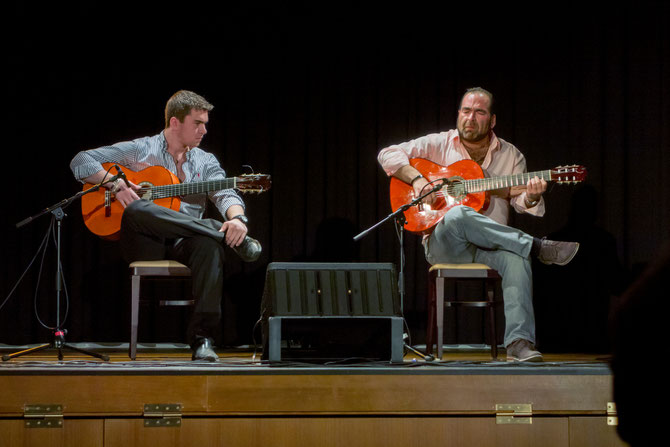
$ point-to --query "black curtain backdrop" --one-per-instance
(310, 94)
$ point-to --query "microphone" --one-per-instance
(121, 175)
(440, 183)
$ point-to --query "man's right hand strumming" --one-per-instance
(123, 193)
(419, 183)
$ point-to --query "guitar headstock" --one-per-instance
(568, 174)
(254, 183)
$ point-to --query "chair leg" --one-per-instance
(439, 315)
(493, 333)
(134, 315)
(430, 326)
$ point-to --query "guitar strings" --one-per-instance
(484, 184)
(178, 189)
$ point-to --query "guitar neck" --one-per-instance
(505, 181)
(184, 189)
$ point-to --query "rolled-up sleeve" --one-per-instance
(518, 202)
(87, 163)
(392, 158)
(396, 156)
(225, 198)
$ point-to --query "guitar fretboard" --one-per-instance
(505, 181)
(184, 189)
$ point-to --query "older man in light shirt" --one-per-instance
(465, 236)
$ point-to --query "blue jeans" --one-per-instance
(465, 236)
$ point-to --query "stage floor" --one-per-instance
(475, 359)
(459, 400)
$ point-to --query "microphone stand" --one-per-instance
(59, 333)
(401, 221)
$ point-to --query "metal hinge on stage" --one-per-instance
(162, 415)
(43, 416)
(612, 418)
(514, 413)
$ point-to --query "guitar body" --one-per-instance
(102, 213)
(422, 219)
(463, 183)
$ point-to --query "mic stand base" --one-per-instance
(59, 334)
(59, 344)
(425, 357)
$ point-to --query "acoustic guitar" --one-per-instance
(463, 183)
(102, 212)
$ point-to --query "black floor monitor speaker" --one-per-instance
(331, 311)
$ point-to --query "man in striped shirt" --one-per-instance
(465, 236)
(151, 232)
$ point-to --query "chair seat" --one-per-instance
(163, 267)
(471, 266)
(463, 271)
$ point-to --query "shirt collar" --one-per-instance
(163, 140)
(494, 144)
(165, 145)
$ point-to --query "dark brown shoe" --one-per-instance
(559, 253)
(523, 351)
(205, 351)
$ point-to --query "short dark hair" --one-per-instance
(483, 92)
(181, 103)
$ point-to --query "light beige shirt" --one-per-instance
(445, 148)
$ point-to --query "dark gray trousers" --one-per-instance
(150, 232)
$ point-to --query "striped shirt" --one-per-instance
(141, 153)
(445, 148)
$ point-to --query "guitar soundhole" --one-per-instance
(145, 192)
(456, 190)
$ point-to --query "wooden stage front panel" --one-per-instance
(239, 402)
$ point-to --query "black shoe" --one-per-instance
(560, 253)
(249, 250)
(204, 351)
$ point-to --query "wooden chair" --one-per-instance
(151, 270)
(437, 300)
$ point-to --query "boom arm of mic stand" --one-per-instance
(400, 210)
(65, 202)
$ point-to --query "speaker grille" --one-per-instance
(331, 289)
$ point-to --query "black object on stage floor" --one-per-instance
(331, 311)
(59, 332)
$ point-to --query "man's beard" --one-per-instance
(476, 138)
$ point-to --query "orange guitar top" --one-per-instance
(422, 219)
